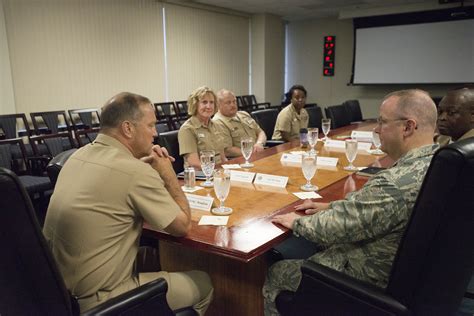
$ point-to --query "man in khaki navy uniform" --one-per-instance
(199, 132)
(361, 233)
(104, 193)
(456, 122)
(456, 116)
(293, 117)
(235, 125)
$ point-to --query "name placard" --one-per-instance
(271, 180)
(290, 158)
(231, 166)
(198, 202)
(364, 146)
(327, 161)
(335, 143)
(242, 176)
(362, 136)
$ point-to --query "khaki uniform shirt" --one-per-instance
(444, 140)
(233, 129)
(363, 231)
(95, 217)
(193, 137)
(291, 122)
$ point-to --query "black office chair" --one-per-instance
(266, 119)
(170, 141)
(353, 107)
(30, 282)
(339, 115)
(14, 126)
(315, 115)
(55, 165)
(249, 103)
(86, 125)
(434, 261)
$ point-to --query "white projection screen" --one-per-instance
(428, 53)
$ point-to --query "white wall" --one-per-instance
(7, 99)
(305, 65)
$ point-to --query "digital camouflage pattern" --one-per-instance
(361, 232)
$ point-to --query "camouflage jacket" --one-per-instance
(362, 232)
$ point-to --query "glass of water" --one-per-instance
(308, 166)
(208, 162)
(312, 139)
(221, 189)
(351, 153)
(377, 144)
(326, 127)
(247, 149)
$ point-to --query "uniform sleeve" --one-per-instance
(151, 200)
(376, 209)
(187, 141)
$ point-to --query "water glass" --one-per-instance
(208, 162)
(326, 127)
(221, 189)
(351, 153)
(312, 139)
(377, 144)
(246, 146)
(308, 166)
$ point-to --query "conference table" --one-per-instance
(234, 255)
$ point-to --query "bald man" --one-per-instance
(361, 233)
(235, 125)
(456, 116)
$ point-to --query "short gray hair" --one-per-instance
(122, 107)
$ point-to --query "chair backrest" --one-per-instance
(9, 124)
(84, 118)
(170, 141)
(266, 119)
(435, 258)
(182, 108)
(55, 143)
(315, 115)
(353, 106)
(30, 282)
(54, 121)
(56, 164)
(339, 115)
(6, 155)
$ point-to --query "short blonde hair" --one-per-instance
(196, 96)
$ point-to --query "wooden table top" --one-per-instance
(249, 231)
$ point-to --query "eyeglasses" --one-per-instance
(381, 121)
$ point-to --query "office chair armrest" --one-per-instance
(148, 298)
(324, 290)
(273, 143)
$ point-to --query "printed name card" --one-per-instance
(290, 158)
(335, 143)
(327, 161)
(198, 202)
(362, 136)
(364, 146)
(242, 176)
(231, 166)
(271, 180)
(213, 220)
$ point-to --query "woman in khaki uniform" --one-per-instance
(199, 132)
(293, 117)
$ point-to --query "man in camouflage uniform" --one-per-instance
(361, 233)
(235, 125)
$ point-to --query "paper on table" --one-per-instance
(191, 190)
(307, 195)
(213, 220)
(232, 166)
